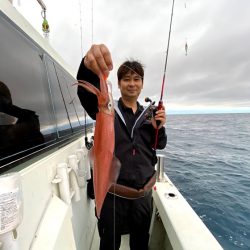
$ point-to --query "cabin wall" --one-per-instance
(158, 235)
(48, 221)
(39, 106)
(41, 125)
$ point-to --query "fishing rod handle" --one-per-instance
(159, 107)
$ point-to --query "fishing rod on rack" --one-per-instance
(160, 103)
(88, 143)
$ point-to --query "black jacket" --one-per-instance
(133, 149)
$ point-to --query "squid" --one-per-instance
(106, 165)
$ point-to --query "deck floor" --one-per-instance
(96, 240)
(125, 242)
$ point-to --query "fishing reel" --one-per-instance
(153, 109)
(147, 99)
(89, 144)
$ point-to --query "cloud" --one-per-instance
(216, 69)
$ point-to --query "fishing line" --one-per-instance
(114, 217)
(88, 144)
(186, 48)
(92, 40)
(80, 12)
(92, 21)
(64, 101)
(71, 99)
(166, 59)
(160, 104)
(186, 43)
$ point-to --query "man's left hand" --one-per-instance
(160, 115)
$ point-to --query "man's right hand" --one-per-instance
(98, 59)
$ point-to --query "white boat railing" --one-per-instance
(175, 225)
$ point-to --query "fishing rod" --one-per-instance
(160, 103)
(88, 144)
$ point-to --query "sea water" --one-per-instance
(208, 159)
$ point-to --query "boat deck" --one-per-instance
(124, 242)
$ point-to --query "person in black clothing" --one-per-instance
(19, 128)
(134, 140)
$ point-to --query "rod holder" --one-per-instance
(64, 189)
(160, 168)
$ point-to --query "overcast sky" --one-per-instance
(215, 74)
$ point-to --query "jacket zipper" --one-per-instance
(121, 116)
(133, 153)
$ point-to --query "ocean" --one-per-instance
(208, 159)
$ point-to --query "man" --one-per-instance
(134, 139)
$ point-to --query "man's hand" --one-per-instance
(160, 115)
(98, 59)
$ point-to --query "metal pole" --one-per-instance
(160, 168)
(42, 4)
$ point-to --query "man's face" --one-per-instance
(130, 85)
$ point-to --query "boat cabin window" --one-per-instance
(68, 110)
(38, 104)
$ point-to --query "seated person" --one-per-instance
(19, 128)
